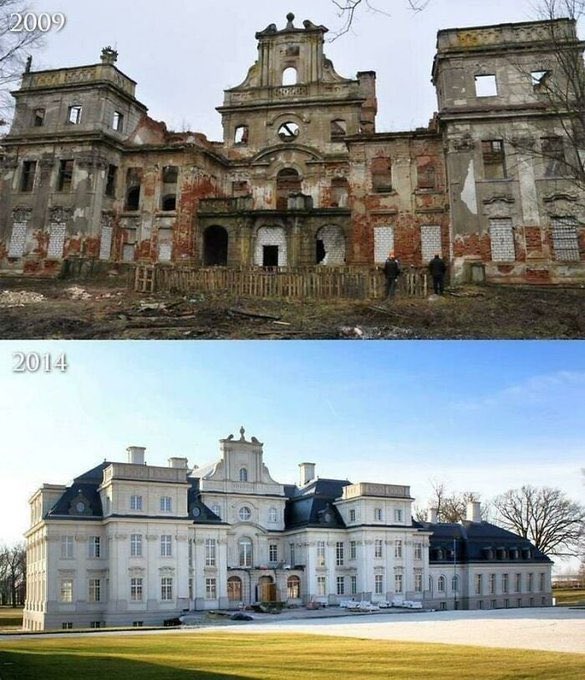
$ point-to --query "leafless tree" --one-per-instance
(15, 49)
(546, 517)
(12, 575)
(348, 10)
(451, 507)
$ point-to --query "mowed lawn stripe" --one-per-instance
(272, 657)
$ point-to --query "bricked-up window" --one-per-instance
(133, 189)
(338, 130)
(288, 181)
(111, 181)
(118, 121)
(502, 240)
(383, 243)
(39, 117)
(565, 239)
(339, 192)
(240, 189)
(426, 173)
(241, 135)
(381, 168)
(74, 115)
(486, 86)
(65, 178)
(553, 154)
(430, 238)
(494, 159)
(170, 178)
(27, 179)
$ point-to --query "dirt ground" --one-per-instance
(51, 309)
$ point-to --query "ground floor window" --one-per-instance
(166, 589)
(136, 589)
(398, 583)
(430, 238)
(210, 589)
(341, 585)
(354, 585)
(321, 586)
(293, 587)
(383, 243)
(565, 239)
(502, 240)
(379, 584)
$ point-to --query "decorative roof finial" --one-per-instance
(242, 434)
(290, 18)
(28, 66)
(109, 55)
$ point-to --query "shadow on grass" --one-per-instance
(32, 666)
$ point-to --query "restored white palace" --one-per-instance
(135, 544)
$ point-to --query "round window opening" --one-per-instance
(288, 132)
(245, 514)
(80, 507)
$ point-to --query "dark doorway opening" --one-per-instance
(270, 256)
(321, 252)
(215, 247)
(288, 182)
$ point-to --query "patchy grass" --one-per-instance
(569, 597)
(10, 618)
(212, 656)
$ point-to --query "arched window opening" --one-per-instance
(215, 247)
(241, 135)
(288, 181)
(234, 588)
(132, 199)
(243, 474)
(293, 588)
(441, 584)
(290, 76)
(339, 192)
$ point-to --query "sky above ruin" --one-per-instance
(480, 416)
(184, 53)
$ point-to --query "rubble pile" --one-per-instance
(14, 298)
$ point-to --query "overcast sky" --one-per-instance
(479, 416)
(184, 53)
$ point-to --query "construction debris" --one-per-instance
(13, 298)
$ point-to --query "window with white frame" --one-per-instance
(418, 551)
(339, 553)
(210, 589)
(478, 584)
(378, 515)
(486, 86)
(273, 515)
(321, 586)
(398, 549)
(273, 552)
(95, 590)
(210, 552)
(379, 584)
(66, 591)
(341, 585)
(136, 545)
(378, 548)
(505, 583)
(293, 557)
(320, 553)
(136, 503)
(353, 550)
(166, 589)
(492, 584)
(418, 582)
(502, 240)
(67, 547)
(74, 114)
(352, 515)
(353, 585)
(136, 589)
(166, 546)
(441, 584)
(95, 547)
(565, 239)
(166, 504)
(245, 552)
(398, 516)
(398, 583)
(245, 514)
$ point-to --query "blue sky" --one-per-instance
(480, 416)
(184, 56)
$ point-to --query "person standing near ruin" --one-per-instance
(391, 272)
(438, 269)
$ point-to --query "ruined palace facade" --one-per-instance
(128, 543)
(302, 176)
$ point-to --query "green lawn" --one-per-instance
(212, 656)
(569, 596)
(10, 618)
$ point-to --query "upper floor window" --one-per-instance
(539, 80)
(210, 552)
(166, 546)
(553, 153)
(67, 547)
(136, 503)
(241, 135)
(39, 117)
(273, 552)
(382, 174)
(136, 545)
(133, 188)
(245, 514)
(398, 517)
(339, 553)
(27, 180)
(352, 515)
(245, 552)
(95, 547)
(111, 181)
(170, 178)
(338, 130)
(74, 115)
(66, 590)
(426, 174)
(273, 515)
(377, 514)
(243, 474)
(290, 76)
(65, 178)
(166, 504)
(486, 86)
(378, 548)
(118, 121)
(494, 159)
(398, 549)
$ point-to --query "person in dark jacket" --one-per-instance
(438, 269)
(391, 272)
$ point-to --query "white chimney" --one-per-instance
(307, 473)
(136, 455)
(179, 463)
(432, 516)
(474, 512)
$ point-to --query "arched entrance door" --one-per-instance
(234, 589)
(215, 247)
(288, 182)
(266, 589)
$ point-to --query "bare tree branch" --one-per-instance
(348, 10)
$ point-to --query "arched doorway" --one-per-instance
(266, 589)
(330, 246)
(234, 589)
(288, 181)
(215, 247)
(271, 248)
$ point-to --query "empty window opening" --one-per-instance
(65, 179)
(133, 186)
(74, 115)
(426, 173)
(288, 182)
(270, 256)
(27, 181)
(553, 153)
(215, 247)
(129, 245)
(170, 178)
(118, 121)
(502, 240)
(338, 130)
(382, 174)
(39, 117)
(290, 76)
(486, 86)
(339, 192)
(241, 135)
(494, 159)
(111, 181)
(565, 240)
(170, 174)
(289, 131)
(330, 246)
(539, 80)
(169, 202)
(240, 189)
